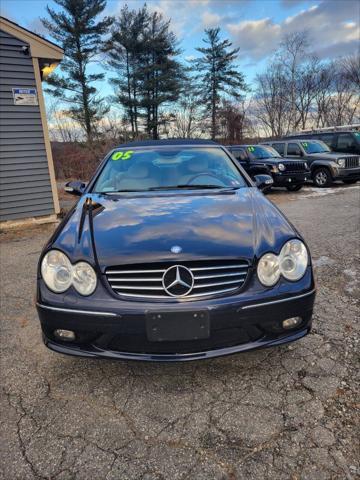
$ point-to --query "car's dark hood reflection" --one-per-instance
(143, 228)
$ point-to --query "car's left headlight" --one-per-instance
(291, 263)
(293, 260)
(341, 162)
(281, 167)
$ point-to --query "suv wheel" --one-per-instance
(294, 188)
(322, 177)
(350, 181)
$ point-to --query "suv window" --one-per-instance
(279, 147)
(293, 149)
(327, 138)
(345, 141)
(239, 154)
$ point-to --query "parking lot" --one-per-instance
(280, 413)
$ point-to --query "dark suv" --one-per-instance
(325, 165)
(343, 142)
(258, 159)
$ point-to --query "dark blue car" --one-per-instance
(173, 254)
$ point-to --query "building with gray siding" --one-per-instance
(27, 181)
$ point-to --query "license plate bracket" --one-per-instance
(177, 326)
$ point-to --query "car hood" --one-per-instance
(137, 229)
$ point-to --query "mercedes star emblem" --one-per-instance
(178, 281)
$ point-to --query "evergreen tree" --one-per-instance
(80, 34)
(142, 51)
(217, 74)
(124, 49)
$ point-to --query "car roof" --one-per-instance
(169, 142)
(243, 145)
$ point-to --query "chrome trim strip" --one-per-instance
(185, 297)
(278, 301)
(135, 287)
(118, 279)
(218, 284)
(220, 275)
(71, 310)
(197, 269)
(111, 272)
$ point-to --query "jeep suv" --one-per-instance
(345, 141)
(258, 159)
(325, 166)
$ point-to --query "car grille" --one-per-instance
(352, 162)
(294, 167)
(210, 278)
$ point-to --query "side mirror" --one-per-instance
(75, 188)
(263, 181)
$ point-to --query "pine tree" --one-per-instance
(123, 51)
(142, 51)
(80, 34)
(217, 74)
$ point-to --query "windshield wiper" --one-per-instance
(174, 187)
(171, 187)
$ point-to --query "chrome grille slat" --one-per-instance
(203, 277)
(211, 277)
(130, 279)
(206, 285)
(294, 167)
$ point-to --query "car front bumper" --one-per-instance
(238, 323)
(347, 174)
(286, 179)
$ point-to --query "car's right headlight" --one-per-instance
(56, 270)
(281, 167)
(341, 162)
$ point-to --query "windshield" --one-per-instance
(259, 152)
(161, 168)
(357, 136)
(315, 147)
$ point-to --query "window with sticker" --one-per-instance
(260, 152)
(314, 146)
(144, 169)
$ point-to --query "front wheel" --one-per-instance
(294, 188)
(349, 181)
(322, 177)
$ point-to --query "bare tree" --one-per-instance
(351, 69)
(234, 122)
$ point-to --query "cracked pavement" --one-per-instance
(288, 412)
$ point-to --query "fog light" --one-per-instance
(68, 335)
(291, 322)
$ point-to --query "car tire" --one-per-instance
(322, 177)
(294, 188)
(349, 182)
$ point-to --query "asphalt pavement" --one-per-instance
(281, 413)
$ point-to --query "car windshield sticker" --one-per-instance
(304, 144)
(122, 155)
(251, 149)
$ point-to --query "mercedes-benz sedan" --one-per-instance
(173, 254)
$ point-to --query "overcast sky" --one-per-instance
(256, 26)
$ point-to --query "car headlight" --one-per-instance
(293, 260)
(291, 263)
(281, 167)
(268, 269)
(341, 162)
(56, 270)
(59, 274)
(84, 278)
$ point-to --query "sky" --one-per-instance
(255, 26)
